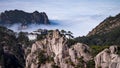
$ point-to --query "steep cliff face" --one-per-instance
(108, 58)
(106, 26)
(18, 16)
(53, 52)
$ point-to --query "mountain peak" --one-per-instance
(19, 16)
(35, 12)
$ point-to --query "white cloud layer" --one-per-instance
(78, 16)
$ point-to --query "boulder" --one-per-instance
(108, 58)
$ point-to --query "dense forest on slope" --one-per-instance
(106, 33)
(12, 54)
(110, 38)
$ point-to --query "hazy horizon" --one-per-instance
(77, 16)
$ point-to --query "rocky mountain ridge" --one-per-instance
(19, 16)
(106, 33)
(107, 25)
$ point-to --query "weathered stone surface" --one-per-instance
(79, 50)
(108, 58)
(55, 46)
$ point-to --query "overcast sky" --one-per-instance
(78, 16)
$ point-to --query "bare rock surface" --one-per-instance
(108, 58)
(55, 46)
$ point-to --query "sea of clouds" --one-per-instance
(77, 16)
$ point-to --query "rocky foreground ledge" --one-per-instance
(108, 58)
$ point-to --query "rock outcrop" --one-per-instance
(18, 16)
(108, 58)
(53, 51)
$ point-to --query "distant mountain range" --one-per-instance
(19, 16)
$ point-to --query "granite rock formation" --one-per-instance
(108, 58)
(55, 52)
